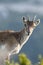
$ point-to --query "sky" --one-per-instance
(11, 12)
(21, 6)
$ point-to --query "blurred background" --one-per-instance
(11, 12)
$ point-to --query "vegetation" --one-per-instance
(23, 60)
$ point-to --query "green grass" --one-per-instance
(23, 60)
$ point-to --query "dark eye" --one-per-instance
(25, 25)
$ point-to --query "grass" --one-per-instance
(23, 60)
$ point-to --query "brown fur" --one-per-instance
(11, 42)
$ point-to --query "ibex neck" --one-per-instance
(24, 36)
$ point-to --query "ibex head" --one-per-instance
(30, 25)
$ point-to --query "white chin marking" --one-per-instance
(35, 24)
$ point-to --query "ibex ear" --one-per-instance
(24, 20)
(38, 21)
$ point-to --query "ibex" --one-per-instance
(11, 42)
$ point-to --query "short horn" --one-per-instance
(28, 18)
(34, 18)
